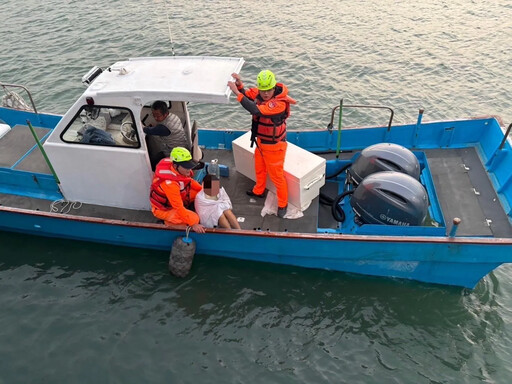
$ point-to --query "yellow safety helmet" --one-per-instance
(266, 80)
(182, 157)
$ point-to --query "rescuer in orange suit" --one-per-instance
(269, 105)
(173, 190)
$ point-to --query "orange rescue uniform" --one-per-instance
(269, 128)
(171, 193)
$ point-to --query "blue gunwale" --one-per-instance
(261, 233)
(391, 256)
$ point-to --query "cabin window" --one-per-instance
(101, 125)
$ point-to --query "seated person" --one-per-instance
(166, 135)
(173, 190)
(214, 206)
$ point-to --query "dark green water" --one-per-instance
(78, 312)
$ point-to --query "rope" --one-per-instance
(67, 206)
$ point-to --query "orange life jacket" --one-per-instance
(165, 171)
(272, 128)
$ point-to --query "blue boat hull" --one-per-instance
(459, 262)
(392, 252)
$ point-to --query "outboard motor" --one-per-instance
(391, 198)
(384, 157)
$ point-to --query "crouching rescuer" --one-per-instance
(173, 190)
(269, 105)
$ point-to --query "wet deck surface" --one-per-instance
(462, 186)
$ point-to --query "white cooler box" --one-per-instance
(304, 171)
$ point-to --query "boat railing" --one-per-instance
(331, 123)
(19, 99)
(493, 160)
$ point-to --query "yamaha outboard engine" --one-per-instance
(384, 157)
(391, 198)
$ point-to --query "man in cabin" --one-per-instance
(166, 135)
(173, 190)
(269, 105)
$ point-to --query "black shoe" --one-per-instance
(281, 211)
(252, 194)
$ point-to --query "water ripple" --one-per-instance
(68, 306)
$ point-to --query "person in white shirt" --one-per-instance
(213, 205)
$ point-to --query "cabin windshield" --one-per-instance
(102, 125)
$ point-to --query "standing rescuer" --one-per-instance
(269, 105)
(173, 190)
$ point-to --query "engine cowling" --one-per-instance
(384, 157)
(391, 198)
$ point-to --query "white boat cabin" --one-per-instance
(99, 150)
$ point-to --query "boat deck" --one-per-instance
(465, 191)
(20, 152)
(463, 187)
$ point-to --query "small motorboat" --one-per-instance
(428, 201)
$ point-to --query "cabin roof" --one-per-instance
(184, 78)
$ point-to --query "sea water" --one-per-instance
(78, 312)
